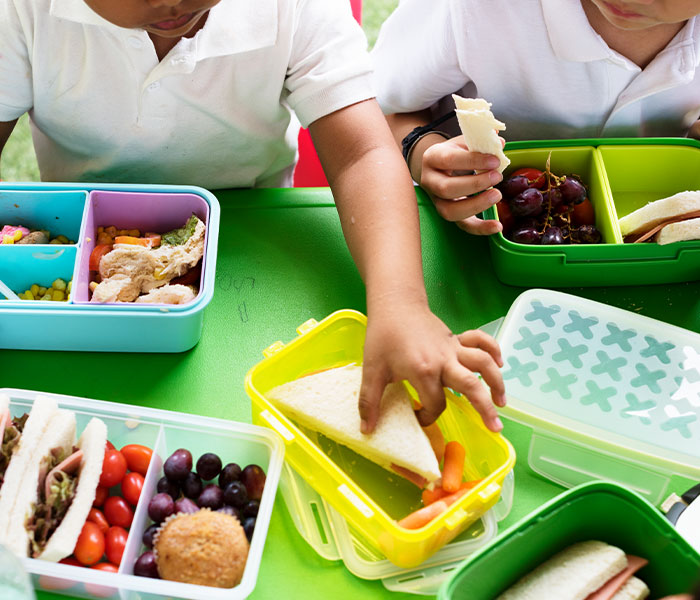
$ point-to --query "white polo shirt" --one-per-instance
(216, 111)
(544, 68)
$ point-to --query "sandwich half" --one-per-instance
(480, 128)
(591, 570)
(672, 219)
(327, 402)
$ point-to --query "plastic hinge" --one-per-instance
(273, 349)
(491, 490)
(276, 424)
(355, 501)
(456, 519)
(307, 326)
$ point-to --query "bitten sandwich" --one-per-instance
(480, 128)
(327, 402)
(50, 483)
(589, 570)
(672, 219)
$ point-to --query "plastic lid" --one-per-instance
(604, 376)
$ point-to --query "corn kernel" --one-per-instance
(46, 296)
(100, 229)
(134, 233)
(17, 235)
(8, 239)
(34, 289)
(59, 284)
(92, 286)
(62, 238)
(58, 295)
(28, 295)
(55, 241)
(111, 230)
(158, 273)
(42, 291)
(70, 286)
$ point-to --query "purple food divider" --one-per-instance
(134, 210)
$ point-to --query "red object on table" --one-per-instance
(308, 172)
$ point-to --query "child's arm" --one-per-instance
(434, 163)
(405, 340)
(5, 131)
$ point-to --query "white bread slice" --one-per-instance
(649, 216)
(480, 128)
(40, 418)
(634, 589)
(327, 402)
(572, 574)
(92, 443)
(60, 433)
(678, 232)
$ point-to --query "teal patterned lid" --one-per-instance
(604, 376)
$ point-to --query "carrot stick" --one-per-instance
(430, 496)
(436, 439)
(454, 466)
(423, 516)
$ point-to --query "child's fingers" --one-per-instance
(461, 379)
(477, 226)
(481, 362)
(371, 390)
(451, 187)
(453, 155)
(457, 210)
(431, 396)
(479, 339)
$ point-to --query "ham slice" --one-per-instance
(4, 419)
(637, 238)
(412, 476)
(68, 466)
(634, 563)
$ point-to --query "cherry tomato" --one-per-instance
(102, 591)
(132, 484)
(96, 256)
(101, 494)
(115, 541)
(137, 457)
(505, 216)
(90, 545)
(97, 516)
(535, 176)
(46, 582)
(113, 468)
(583, 213)
(118, 512)
(109, 445)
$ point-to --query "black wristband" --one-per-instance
(412, 138)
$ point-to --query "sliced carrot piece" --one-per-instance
(436, 439)
(454, 466)
(423, 516)
(128, 239)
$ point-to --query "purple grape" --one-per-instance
(236, 494)
(588, 234)
(185, 505)
(248, 527)
(572, 190)
(513, 186)
(231, 510)
(147, 537)
(211, 497)
(192, 485)
(552, 196)
(230, 473)
(178, 465)
(527, 203)
(253, 477)
(251, 508)
(552, 236)
(165, 486)
(145, 565)
(208, 466)
(161, 507)
(526, 235)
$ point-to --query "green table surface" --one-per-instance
(282, 260)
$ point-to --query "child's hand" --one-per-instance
(411, 343)
(695, 131)
(442, 177)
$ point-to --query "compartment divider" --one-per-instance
(607, 193)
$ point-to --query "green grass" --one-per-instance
(19, 161)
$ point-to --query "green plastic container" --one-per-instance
(622, 175)
(593, 511)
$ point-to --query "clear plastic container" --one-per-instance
(76, 212)
(164, 432)
(608, 393)
(333, 538)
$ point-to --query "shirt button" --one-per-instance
(154, 86)
(135, 42)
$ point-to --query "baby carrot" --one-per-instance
(436, 439)
(423, 516)
(439, 493)
(454, 466)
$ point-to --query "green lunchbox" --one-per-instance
(622, 174)
(599, 510)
